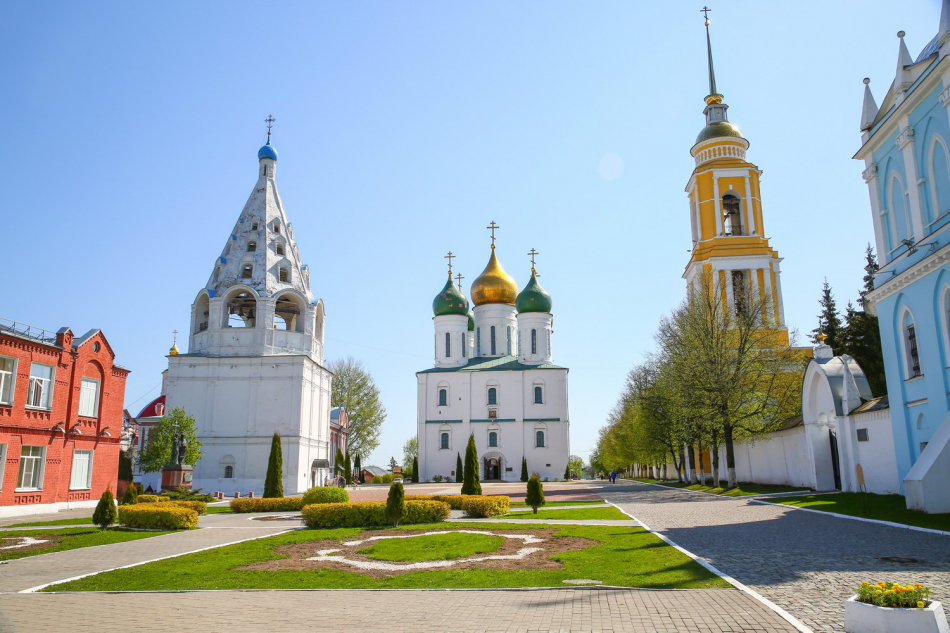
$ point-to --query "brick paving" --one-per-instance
(805, 562)
(575, 610)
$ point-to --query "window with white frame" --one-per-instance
(911, 352)
(30, 474)
(538, 394)
(3, 460)
(539, 439)
(82, 470)
(89, 398)
(229, 472)
(444, 441)
(40, 395)
(493, 439)
(492, 395)
(7, 377)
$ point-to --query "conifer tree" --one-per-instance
(358, 466)
(471, 485)
(395, 504)
(567, 473)
(415, 470)
(459, 470)
(535, 495)
(274, 482)
(130, 496)
(338, 462)
(862, 336)
(348, 467)
(105, 513)
(829, 322)
(524, 469)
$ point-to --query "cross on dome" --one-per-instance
(270, 123)
(450, 257)
(458, 280)
(532, 254)
(492, 228)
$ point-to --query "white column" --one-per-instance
(750, 207)
(694, 214)
(905, 141)
(716, 205)
(730, 291)
(870, 177)
(754, 286)
(778, 289)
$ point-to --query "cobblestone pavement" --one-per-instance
(575, 610)
(805, 562)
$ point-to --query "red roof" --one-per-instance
(150, 410)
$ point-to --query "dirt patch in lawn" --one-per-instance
(7, 543)
(531, 554)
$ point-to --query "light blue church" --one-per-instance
(906, 151)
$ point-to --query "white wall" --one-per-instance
(780, 458)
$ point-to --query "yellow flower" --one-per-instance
(920, 604)
(881, 583)
(864, 584)
(917, 585)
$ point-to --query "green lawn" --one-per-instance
(580, 514)
(624, 556)
(555, 502)
(86, 521)
(73, 538)
(219, 509)
(744, 489)
(433, 547)
(882, 507)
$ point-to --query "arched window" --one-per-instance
(939, 176)
(202, 310)
(509, 340)
(448, 345)
(493, 439)
(276, 226)
(493, 340)
(251, 246)
(216, 275)
(899, 211)
(478, 342)
(241, 310)
(739, 293)
(254, 226)
(731, 215)
(538, 395)
(247, 271)
(443, 397)
(444, 441)
(464, 345)
(287, 313)
(534, 341)
(911, 354)
(539, 439)
(492, 395)
(279, 249)
(229, 472)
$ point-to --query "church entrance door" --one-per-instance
(492, 471)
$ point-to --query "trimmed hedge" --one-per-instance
(198, 506)
(369, 513)
(278, 504)
(150, 499)
(456, 501)
(325, 495)
(482, 506)
(158, 516)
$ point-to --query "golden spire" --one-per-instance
(713, 96)
(174, 349)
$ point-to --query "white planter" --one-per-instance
(860, 617)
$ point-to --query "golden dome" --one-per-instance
(494, 285)
(173, 351)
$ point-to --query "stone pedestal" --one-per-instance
(175, 476)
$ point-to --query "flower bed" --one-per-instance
(369, 513)
(887, 607)
(892, 594)
(274, 504)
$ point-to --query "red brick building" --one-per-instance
(60, 419)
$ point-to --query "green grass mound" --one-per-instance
(433, 547)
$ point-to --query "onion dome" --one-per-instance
(494, 285)
(716, 130)
(450, 300)
(267, 151)
(533, 298)
(173, 351)
(471, 321)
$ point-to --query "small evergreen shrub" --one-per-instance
(371, 513)
(274, 481)
(484, 506)
(395, 504)
(325, 495)
(151, 498)
(471, 484)
(535, 495)
(524, 469)
(567, 473)
(459, 469)
(187, 494)
(280, 504)
(415, 470)
(105, 514)
(377, 479)
(130, 496)
(158, 516)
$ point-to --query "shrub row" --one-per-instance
(325, 495)
(456, 502)
(150, 499)
(367, 513)
(384, 479)
(198, 506)
(277, 504)
(158, 516)
(482, 506)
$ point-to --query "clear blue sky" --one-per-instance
(403, 129)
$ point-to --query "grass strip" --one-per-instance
(580, 514)
(625, 556)
(86, 521)
(220, 510)
(433, 547)
(555, 502)
(72, 538)
(881, 507)
(744, 489)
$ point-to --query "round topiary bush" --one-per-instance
(325, 495)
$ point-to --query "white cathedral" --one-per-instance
(493, 379)
(255, 355)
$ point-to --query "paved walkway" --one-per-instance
(805, 562)
(575, 610)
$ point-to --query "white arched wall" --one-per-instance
(818, 414)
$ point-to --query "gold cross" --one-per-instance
(534, 273)
(175, 334)
(270, 123)
(492, 228)
(458, 279)
(450, 257)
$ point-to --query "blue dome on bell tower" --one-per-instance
(267, 151)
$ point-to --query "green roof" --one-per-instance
(533, 298)
(498, 363)
(450, 301)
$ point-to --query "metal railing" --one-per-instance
(31, 331)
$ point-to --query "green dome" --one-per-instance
(471, 321)
(533, 298)
(715, 130)
(450, 301)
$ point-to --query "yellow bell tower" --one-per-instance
(725, 209)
